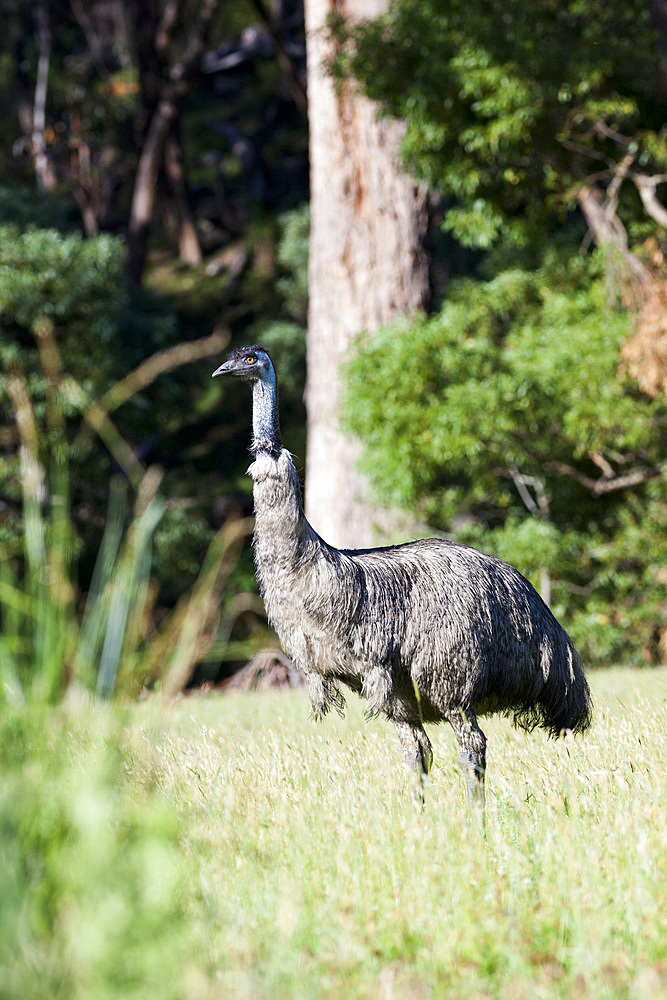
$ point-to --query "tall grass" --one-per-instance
(320, 879)
(228, 847)
(52, 636)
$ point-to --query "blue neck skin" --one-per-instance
(265, 425)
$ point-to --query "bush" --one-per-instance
(77, 287)
(504, 420)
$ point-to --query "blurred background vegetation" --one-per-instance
(524, 414)
(123, 495)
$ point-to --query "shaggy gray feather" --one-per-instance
(426, 631)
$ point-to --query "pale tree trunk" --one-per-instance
(175, 89)
(366, 269)
(45, 177)
(189, 249)
(145, 185)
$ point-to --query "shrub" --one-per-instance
(505, 421)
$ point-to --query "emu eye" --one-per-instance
(250, 359)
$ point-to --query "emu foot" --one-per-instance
(473, 773)
(418, 789)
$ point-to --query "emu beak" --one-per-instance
(222, 370)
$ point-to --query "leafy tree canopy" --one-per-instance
(511, 106)
(502, 420)
(75, 289)
(508, 419)
(78, 287)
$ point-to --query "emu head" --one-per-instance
(250, 363)
(253, 364)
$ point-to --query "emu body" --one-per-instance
(427, 631)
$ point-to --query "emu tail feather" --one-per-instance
(564, 704)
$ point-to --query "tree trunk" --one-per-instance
(145, 185)
(176, 86)
(189, 249)
(366, 268)
(43, 172)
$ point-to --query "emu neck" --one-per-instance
(265, 424)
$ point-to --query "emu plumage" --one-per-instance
(426, 632)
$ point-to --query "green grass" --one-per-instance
(228, 847)
(53, 636)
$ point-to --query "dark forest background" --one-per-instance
(154, 186)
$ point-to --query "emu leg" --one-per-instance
(417, 750)
(472, 754)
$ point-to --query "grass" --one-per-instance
(52, 636)
(228, 847)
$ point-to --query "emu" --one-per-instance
(427, 631)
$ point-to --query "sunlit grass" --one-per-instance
(323, 876)
(305, 869)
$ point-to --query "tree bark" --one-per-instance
(366, 268)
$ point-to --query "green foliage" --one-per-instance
(92, 881)
(54, 638)
(509, 106)
(77, 286)
(180, 542)
(51, 636)
(22, 207)
(285, 338)
(75, 289)
(504, 420)
(65, 287)
(293, 252)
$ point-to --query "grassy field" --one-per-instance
(228, 847)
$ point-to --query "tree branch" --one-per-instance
(605, 484)
(161, 362)
(620, 173)
(602, 464)
(194, 49)
(538, 507)
(167, 23)
(285, 61)
(162, 121)
(646, 187)
(95, 46)
(609, 231)
(609, 133)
